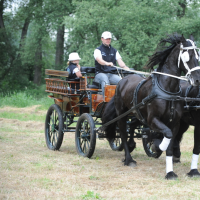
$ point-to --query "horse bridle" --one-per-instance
(185, 57)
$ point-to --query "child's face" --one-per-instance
(76, 61)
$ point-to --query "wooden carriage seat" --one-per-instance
(91, 72)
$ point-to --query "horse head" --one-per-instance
(188, 60)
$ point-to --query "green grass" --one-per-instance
(22, 117)
(91, 195)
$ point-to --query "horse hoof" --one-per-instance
(171, 176)
(193, 173)
(132, 164)
(176, 159)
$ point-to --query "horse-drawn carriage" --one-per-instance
(80, 111)
(148, 108)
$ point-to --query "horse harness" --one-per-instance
(160, 93)
(192, 105)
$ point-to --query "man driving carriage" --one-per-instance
(105, 58)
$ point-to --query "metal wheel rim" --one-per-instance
(149, 149)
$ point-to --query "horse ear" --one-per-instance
(191, 37)
(183, 39)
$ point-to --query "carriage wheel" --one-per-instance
(116, 143)
(85, 136)
(54, 127)
(147, 148)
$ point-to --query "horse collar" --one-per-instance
(162, 93)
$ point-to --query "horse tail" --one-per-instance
(109, 113)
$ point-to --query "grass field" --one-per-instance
(29, 170)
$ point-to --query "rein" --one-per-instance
(183, 56)
(146, 73)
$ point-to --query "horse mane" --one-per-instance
(163, 50)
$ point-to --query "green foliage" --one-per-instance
(28, 97)
(136, 25)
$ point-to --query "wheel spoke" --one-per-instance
(83, 125)
(53, 119)
(82, 145)
(50, 133)
(88, 143)
(52, 139)
(85, 147)
(54, 112)
(56, 136)
(87, 140)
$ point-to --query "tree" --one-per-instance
(59, 47)
(137, 26)
(40, 34)
(55, 11)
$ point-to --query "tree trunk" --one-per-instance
(24, 31)
(7, 47)
(181, 11)
(23, 36)
(38, 64)
(59, 47)
(1, 14)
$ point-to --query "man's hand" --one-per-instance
(127, 68)
(109, 64)
(103, 62)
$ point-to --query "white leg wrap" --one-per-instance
(194, 161)
(164, 144)
(169, 164)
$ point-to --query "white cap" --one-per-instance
(74, 56)
(106, 35)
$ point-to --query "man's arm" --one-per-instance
(98, 58)
(122, 64)
(103, 62)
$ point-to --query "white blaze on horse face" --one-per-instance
(185, 56)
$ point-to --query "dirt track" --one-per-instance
(28, 170)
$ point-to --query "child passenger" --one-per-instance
(74, 69)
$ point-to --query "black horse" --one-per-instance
(191, 116)
(163, 113)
